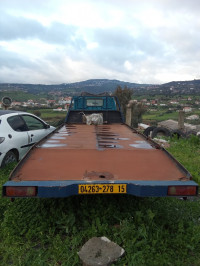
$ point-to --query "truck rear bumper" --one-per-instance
(63, 189)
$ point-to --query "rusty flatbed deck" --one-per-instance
(97, 153)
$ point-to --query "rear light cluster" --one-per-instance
(21, 191)
(182, 191)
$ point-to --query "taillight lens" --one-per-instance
(21, 191)
(182, 191)
(2, 139)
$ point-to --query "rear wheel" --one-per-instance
(10, 157)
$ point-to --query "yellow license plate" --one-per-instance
(102, 189)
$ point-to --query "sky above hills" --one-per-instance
(58, 41)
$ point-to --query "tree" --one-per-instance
(137, 110)
(124, 96)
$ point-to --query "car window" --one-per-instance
(17, 123)
(33, 123)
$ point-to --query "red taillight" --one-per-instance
(182, 191)
(21, 191)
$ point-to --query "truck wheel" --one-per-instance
(190, 133)
(177, 133)
(10, 157)
(161, 131)
(148, 130)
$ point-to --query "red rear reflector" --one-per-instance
(21, 191)
(182, 191)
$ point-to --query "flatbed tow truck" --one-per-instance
(82, 158)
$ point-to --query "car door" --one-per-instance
(18, 137)
(37, 129)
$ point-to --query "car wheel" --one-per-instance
(10, 157)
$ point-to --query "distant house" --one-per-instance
(16, 103)
(187, 109)
(59, 109)
(51, 102)
(30, 103)
(66, 100)
(174, 102)
(153, 102)
(62, 102)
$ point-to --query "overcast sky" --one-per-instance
(61, 41)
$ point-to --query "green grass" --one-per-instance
(153, 231)
(19, 95)
(48, 113)
(160, 116)
(187, 152)
(52, 117)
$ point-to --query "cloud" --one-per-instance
(18, 27)
(13, 28)
(61, 41)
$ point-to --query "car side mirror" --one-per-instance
(47, 126)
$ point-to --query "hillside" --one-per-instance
(92, 86)
(24, 92)
(102, 85)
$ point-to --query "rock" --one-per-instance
(162, 142)
(100, 251)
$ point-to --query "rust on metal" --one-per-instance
(111, 152)
(96, 175)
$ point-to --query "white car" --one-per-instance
(19, 131)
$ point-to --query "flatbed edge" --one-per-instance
(63, 189)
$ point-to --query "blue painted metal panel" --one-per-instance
(80, 103)
(61, 189)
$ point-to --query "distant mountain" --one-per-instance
(100, 85)
(195, 82)
(92, 86)
(103, 85)
(182, 87)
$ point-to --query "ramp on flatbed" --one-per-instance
(103, 152)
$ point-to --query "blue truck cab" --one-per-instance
(107, 105)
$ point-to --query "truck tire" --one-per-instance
(190, 133)
(10, 157)
(148, 130)
(178, 133)
(161, 131)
